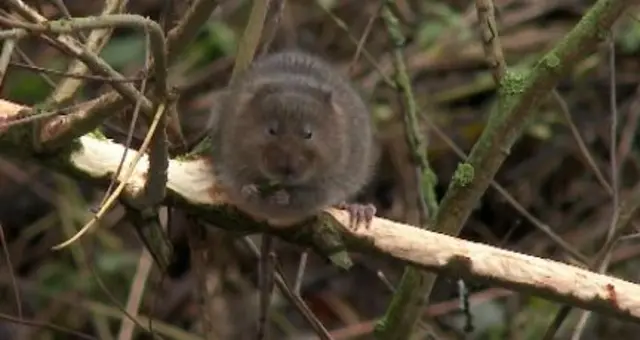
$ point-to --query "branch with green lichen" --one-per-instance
(407, 303)
(413, 134)
(191, 186)
(518, 96)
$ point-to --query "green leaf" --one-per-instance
(125, 50)
(26, 87)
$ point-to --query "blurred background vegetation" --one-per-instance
(547, 173)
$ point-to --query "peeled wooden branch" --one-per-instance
(191, 184)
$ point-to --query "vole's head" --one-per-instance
(292, 134)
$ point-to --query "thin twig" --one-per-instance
(629, 128)
(248, 45)
(203, 264)
(97, 65)
(491, 39)
(155, 186)
(5, 58)
(50, 326)
(370, 58)
(365, 35)
(102, 107)
(615, 229)
(67, 15)
(267, 267)
(302, 265)
(158, 47)
(96, 41)
(66, 74)
(130, 132)
(112, 298)
(37, 116)
(12, 275)
(274, 16)
(185, 31)
(584, 150)
(41, 73)
(68, 220)
(112, 199)
(136, 293)
(295, 299)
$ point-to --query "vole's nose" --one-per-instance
(286, 170)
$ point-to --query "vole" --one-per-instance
(291, 137)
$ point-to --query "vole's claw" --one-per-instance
(359, 213)
(249, 190)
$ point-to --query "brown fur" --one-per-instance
(294, 124)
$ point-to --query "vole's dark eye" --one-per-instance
(307, 133)
(272, 129)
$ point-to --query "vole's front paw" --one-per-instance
(359, 213)
(280, 197)
(250, 191)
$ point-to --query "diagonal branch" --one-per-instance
(185, 31)
(519, 96)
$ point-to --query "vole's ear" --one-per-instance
(323, 94)
(327, 95)
(262, 91)
(255, 95)
(265, 89)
